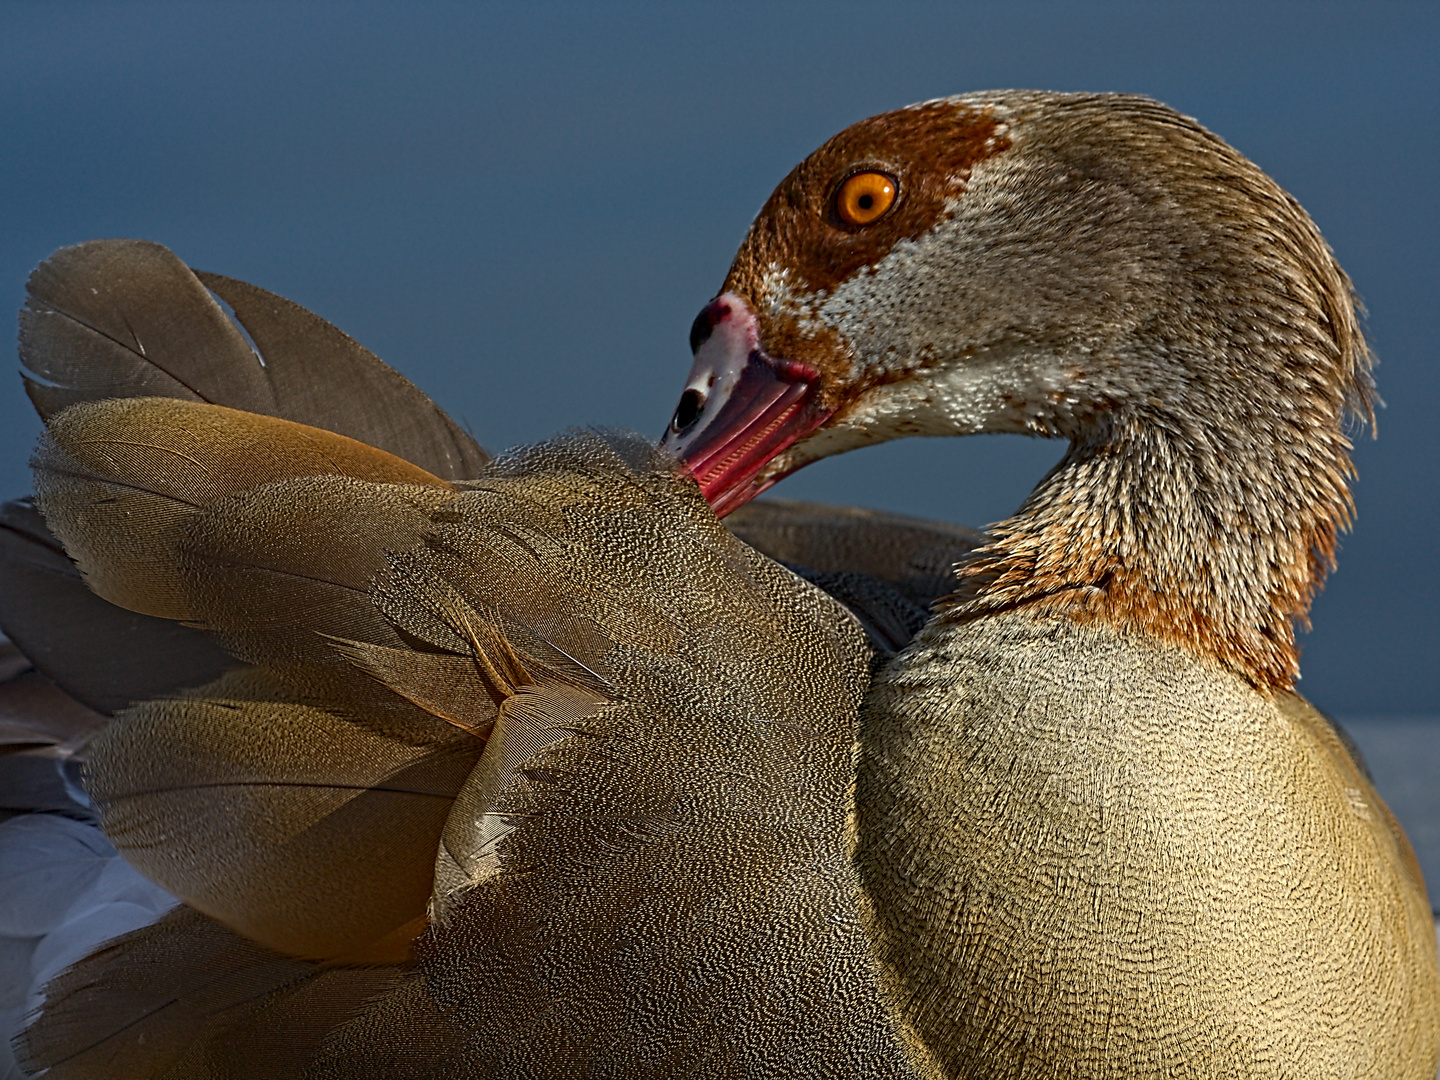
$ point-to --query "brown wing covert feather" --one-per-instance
(307, 830)
(119, 482)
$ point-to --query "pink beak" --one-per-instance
(740, 408)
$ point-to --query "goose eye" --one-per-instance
(864, 198)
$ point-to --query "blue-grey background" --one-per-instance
(523, 206)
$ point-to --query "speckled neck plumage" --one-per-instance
(1216, 544)
(1208, 472)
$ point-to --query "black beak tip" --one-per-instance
(701, 329)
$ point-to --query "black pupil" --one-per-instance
(689, 409)
(866, 201)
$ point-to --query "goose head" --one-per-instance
(1095, 268)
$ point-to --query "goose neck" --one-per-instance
(1211, 537)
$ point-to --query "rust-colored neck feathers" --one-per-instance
(1143, 532)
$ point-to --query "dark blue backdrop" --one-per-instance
(523, 207)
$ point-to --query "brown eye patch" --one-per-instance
(927, 151)
(864, 198)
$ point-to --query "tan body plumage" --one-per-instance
(1090, 854)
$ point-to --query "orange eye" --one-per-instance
(864, 198)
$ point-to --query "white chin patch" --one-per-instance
(995, 393)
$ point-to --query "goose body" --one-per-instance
(1097, 838)
(1081, 825)
(566, 929)
(1100, 833)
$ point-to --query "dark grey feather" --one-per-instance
(126, 318)
(914, 555)
(100, 654)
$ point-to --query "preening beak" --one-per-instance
(741, 406)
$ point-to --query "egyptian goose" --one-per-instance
(512, 768)
(1099, 832)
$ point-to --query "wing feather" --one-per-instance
(102, 655)
(322, 376)
(126, 318)
(298, 827)
(119, 482)
(187, 999)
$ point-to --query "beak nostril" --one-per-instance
(692, 404)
